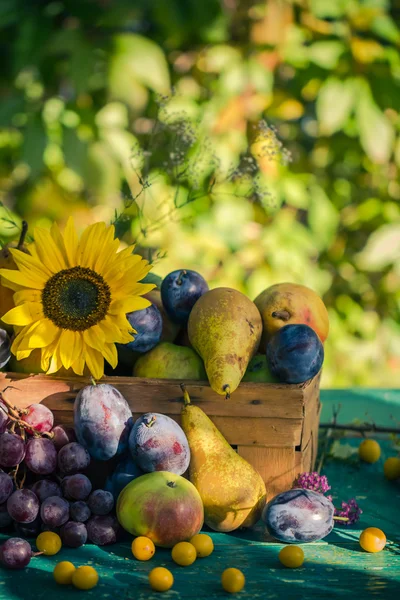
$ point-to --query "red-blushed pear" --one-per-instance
(162, 506)
(291, 303)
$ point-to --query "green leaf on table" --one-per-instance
(342, 451)
(335, 103)
(382, 248)
(376, 131)
(326, 54)
(142, 60)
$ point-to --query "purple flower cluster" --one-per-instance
(319, 483)
(349, 510)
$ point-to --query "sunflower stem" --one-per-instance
(22, 237)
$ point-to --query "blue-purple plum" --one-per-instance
(158, 443)
(180, 291)
(299, 516)
(148, 325)
(125, 472)
(103, 421)
(295, 354)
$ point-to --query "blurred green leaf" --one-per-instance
(335, 102)
(376, 131)
(326, 54)
(382, 249)
(328, 9)
(323, 217)
(35, 140)
(386, 28)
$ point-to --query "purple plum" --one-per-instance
(125, 472)
(158, 443)
(148, 324)
(180, 290)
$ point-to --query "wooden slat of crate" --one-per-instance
(165, 396)
(312, 409)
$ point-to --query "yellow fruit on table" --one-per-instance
(85, 578)
(291, 556)
(391, 468)
(49, 543)
(143, 548)
(233, 580)
(160, 579)
(203, 544)
(63, 572)
(372, 539)
(369, 451)
(184, 554)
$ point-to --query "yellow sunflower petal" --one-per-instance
(95, 362)
(117, 269)
(49, 253)
(78, 366)
(55, 361)
(94, 337)
(71, 242)
(21, 354)
(129, 289)
(21, 338)
(107, 252)
(59, 241)
(9, 284)
(44, 334)
(21, 279)
(88, 245)
(48, 352)
(31, 266)
(67, 347)
(24, 314)
(27, 296)
(128, 305)
(110, 354)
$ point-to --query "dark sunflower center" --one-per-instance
(76, 298)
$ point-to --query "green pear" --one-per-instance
(232, 491)
(258, 371)
(225, 329)
(168, 361)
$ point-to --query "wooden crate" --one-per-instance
(273, 426)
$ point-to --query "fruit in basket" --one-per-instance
(5, 353)
(169, 329)
(290, 303)
(299, 515)
(158, 443)
(163, 506)
(102, 420)
(148, 326)
(168, 361)
(295, 354)
(125, 472)
(232, 491)
(225, 329)
(180, 291)
(258, 371)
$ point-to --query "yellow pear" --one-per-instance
(232, 491)
(225, 329)
(7, 262)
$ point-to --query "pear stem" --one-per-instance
(284, 315)
(93, 381)
(186, 397)
(24, 231)
(227, 391)
(151, 422)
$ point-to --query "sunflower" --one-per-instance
(71, 297)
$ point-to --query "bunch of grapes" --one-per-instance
(43, 486)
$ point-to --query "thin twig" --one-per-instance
(361, 429)
(328, 437)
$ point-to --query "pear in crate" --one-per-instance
(232, 491)
(225, 329)
(169, 361)
(258, 371)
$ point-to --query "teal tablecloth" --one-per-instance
(334, 568)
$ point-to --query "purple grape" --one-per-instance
(101, 502)
(54, 511)
(76, 487)
(44, 527)
(44, 488)
(74, 534)
(4, 419)
(23, 506)
(80, 512)
(73, 458)
(41, 456)
(299, 516)
(39, 417)
(27, 530)
(63, 436)
(5, 519)
(15, 553)
(6, 487)
(12, 449)
(103, 530)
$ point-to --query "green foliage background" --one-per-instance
(79, 87)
